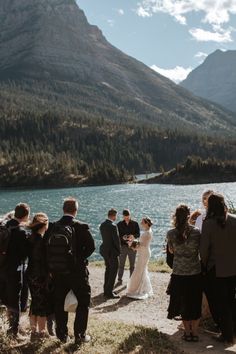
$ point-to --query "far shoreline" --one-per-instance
(142, 182)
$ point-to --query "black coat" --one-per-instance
(84, 242)
(37, 256)
(110, 239)
(218, 246)
(18, 248)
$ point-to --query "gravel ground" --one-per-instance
(150, 312)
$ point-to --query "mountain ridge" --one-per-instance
(75, 110)
(52, 44)
(215, 79)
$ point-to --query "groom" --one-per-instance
(110, 250)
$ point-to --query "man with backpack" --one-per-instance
(13, 258)
(69, 245)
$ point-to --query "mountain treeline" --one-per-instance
(197, 170)
(52, 149)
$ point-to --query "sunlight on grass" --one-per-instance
(107, 338)
(158, 265)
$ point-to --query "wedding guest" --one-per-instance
(208, 275)
(69, 245)
(38, 276)
(8, 216)
(218, 244)
(110, 251)
(139, 286)
(128, 227)
(202, 215)
(186, 286)
(194, 216)
(17, 254)
(4, 219)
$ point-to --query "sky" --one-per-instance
(171, 36)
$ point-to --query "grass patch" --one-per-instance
(107, 338)
(158, 265)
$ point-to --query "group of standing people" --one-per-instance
(123, 241)
(51, 259)
(201, 252)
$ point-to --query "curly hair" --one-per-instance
(181, 222)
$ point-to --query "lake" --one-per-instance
(156, 201)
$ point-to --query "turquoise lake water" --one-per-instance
(155, 201)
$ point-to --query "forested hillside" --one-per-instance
(52, 149)
(195, 169)
(76, 110)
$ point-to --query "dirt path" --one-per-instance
(151, 312)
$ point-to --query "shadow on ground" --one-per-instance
(148, 340)
(123, 301)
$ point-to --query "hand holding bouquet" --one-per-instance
(128, 237)
(134, 244)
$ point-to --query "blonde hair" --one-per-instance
(193, 216)
(207, 194)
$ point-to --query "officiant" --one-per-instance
(127, 227)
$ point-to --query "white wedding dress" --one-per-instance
(139, 285)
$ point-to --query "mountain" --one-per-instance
(50, 56)
(76, 110)
(215, 79)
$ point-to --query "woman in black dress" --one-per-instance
(38, 275)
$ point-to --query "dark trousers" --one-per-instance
(112, 265)
(3, 294)
(16, 298)
(79, 284)
(131, 254)
(225, 290)
(24, 294)
(209, 288)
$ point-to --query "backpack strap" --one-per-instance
(74, 242)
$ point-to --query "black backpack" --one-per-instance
(5, 236)
(61, 255)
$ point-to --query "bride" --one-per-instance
(139, 286)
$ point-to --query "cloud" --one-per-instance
(200, 55)
(176, 74)
(121, 12)
(142, 12)
(111, 22)
(222, 36)
(215, 13)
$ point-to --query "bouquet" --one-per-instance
(134, 244)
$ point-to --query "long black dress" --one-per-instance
(38, 277)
